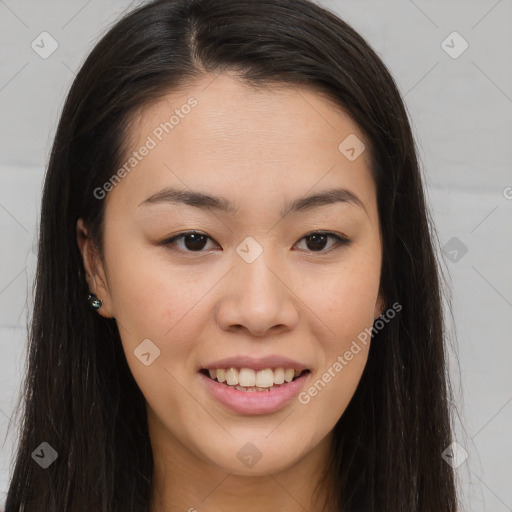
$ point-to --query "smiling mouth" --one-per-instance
(246, 379)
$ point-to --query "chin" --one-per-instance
(255, 456)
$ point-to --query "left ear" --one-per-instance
(94, 272)
(379, 306)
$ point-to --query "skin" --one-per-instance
(260, 148)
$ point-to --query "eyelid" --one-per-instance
(183, 234)
(342, 240)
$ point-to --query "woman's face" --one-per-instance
(252, 290)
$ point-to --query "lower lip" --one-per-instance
(255, 402)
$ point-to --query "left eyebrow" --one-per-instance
(328, 197)
(207, 202)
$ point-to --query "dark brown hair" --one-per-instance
(79, 394)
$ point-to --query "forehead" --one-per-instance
(220, 134)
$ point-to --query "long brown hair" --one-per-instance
(79, 395)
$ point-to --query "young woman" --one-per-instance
(237, 299)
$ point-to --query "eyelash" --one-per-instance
(341, 240)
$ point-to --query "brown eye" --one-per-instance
(317, 241)
(192, 241)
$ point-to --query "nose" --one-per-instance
(258, 298)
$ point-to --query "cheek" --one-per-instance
(344, 298)
(331, 390)
(345, 304)
(150, 294)
(154, 302)
(161, 302)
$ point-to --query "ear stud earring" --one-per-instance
(94, 302)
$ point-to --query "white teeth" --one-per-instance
(247, 378)
(232, 376)
(279, 376)
(289, 373)
(251, 380)
(265, 378)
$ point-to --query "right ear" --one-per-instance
(94, 271)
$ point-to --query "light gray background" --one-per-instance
(461, 112)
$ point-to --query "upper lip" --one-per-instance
(256, 363)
